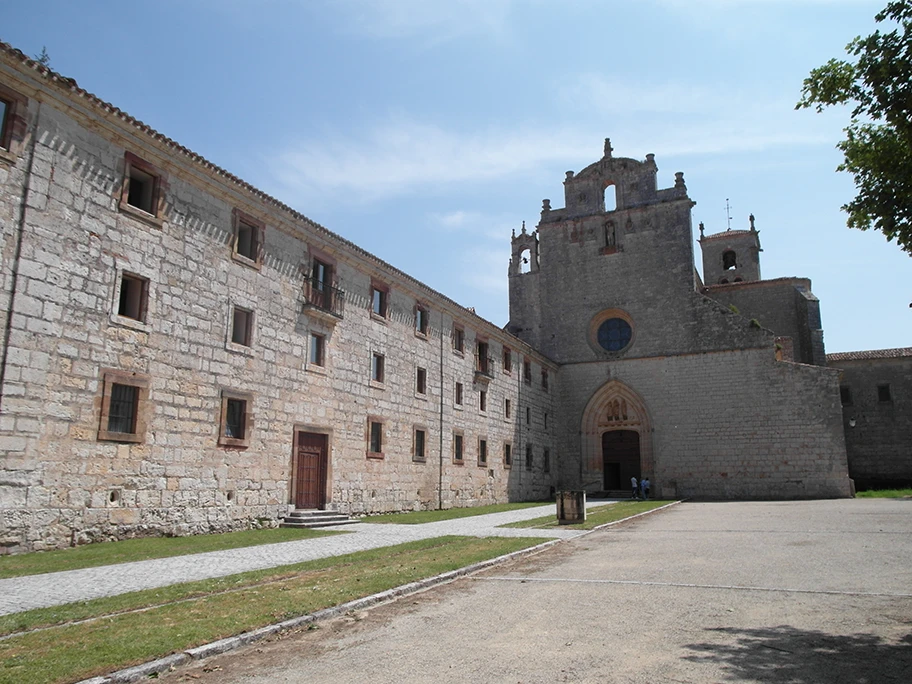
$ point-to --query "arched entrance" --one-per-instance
(616, 442)
(620, 458)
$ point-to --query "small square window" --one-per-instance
(379, 301)
(421, 381)
(458, 453)
(458, 398)
(482, 400)
(242, 326)
(317, 351)
(124, 397)
(236, 422)
(248, 238)
(375, 438)
(421, 320)
(508, 455)
(507, 360)
(529, 457)
(884, 393)
(482, 452)
(544, 379)
(845, 395)
(458, 339)
(420, 441)
(134, 293)
(142, 188)
(527, 371)
(377, 362)
(546, 461)
(507, 408)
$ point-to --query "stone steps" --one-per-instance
(312, 519)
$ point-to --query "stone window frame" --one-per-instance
(458, 395)
(224, 440)
(458, 454)
(527, 370)
(596, 322)
(377, 368)
(508, 455)
(379, 302)
(146, 297)
(530, 456)
(369, 437)
(545, 380)
(258, 238)
(422, 429)
(483, 451)
(508, 409)
(13, 125)
(422, 320)
(546, 460)
(421, 382)
(845, 395)
(316, 350)
(459, 338)
(483, 401)
(156, 201)
(507, 360)
(141, 408)
(249, 329)
(884, 393)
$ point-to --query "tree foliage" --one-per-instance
(877, 82)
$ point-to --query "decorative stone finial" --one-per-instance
(514, 233)
(679, 180)
(546, 205)
(608, 148)
(524, 228)
(569, 175)
(752, 223)
(701, 229)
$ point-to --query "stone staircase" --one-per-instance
(312, 519)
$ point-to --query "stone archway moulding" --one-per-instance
(614, 406)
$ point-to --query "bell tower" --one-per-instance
(732, 256)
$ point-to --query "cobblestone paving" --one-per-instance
(52, 589)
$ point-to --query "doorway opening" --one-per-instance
(311, 465)
(620, 458)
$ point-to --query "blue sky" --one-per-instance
(426, 130)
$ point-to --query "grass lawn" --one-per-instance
(110, 553)
(886, 494)
(172, 619)
(419, 517)
(599, 515)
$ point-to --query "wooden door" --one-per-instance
(311, 463)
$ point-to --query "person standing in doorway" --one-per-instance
(644, 483)
(636, 488)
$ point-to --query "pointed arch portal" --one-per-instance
(616, 440)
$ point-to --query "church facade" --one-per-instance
(182, 353)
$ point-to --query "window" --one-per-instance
(508, 455)
(528, 415)
(124, 398)
(420, 440)
(545, 420)
(142, 188)
(377, 367)
(614, 334)
(546, 461)
(458, 398)
(482, 400)
(317, 343)
(528, 457)
(248, 238)
(134, 294)
(421, 381)
(729, 260)
(5, 117)
(374, 438)
(845, 395)
(506, 408)
(379, 300)
(883, 393)
(458, 339)
(482, 362)
(12, 123)
(507, 360)
(242, 327)
(527, 371)
(544, 377)
(482, 452)
(421, 320)
(236, 421)
(458, 452)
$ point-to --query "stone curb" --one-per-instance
(143, 671)
(632, 517)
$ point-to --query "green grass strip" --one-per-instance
(221, 607)
(146, 548)
(420, 517)
(599, 515)
(885, 494)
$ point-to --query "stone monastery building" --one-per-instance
(183, 353)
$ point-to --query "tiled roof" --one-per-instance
(870, 354)
(727, 233)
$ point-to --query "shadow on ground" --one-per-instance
(786, 654)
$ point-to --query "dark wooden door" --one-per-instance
(312, 461)
(621, 458)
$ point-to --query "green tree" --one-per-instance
(877, 82)
(44, 59)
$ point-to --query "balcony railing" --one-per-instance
(484, 368)
(323, 298)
